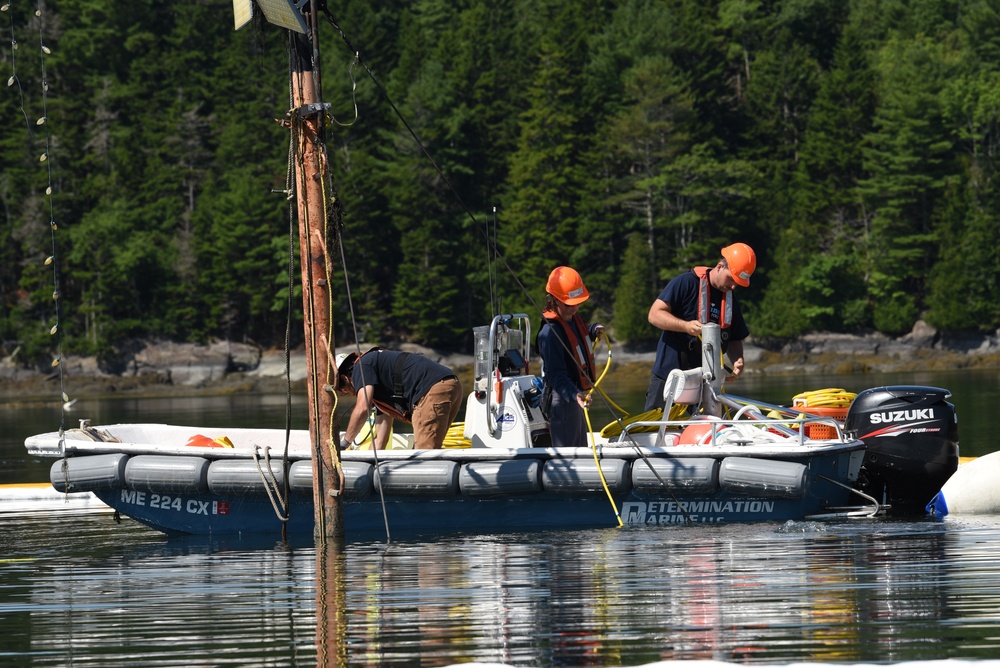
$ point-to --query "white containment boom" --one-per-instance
(972, 490)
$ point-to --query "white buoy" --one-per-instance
(971, 490)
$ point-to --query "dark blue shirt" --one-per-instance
(559, 369)
(677, 350)
(419, 374)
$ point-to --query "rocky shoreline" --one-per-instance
(158, 368)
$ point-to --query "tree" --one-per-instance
(630, 322)
(906, 162)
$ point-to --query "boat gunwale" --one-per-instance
(37, 447)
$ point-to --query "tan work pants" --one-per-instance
(435, 412)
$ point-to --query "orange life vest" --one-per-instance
(579, 342)
(705, 300)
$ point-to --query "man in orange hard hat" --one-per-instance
(702, 295)
(568, 369)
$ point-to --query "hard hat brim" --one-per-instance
(575, 301)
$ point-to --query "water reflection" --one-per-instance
(79, 589)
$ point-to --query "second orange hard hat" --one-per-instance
(742, 261)
(566, 285)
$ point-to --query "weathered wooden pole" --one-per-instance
(311, 179)
(314, 200)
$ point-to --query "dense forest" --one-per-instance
(852, 143)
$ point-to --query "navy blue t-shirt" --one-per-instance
(419, 374)
(675, 348)
(559, 365)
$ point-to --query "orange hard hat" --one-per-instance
(742, 262)
(566, 285)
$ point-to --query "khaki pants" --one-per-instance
(435, 412)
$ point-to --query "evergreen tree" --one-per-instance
(631, 323)
(906, 161)
(828, 218)
(547, 200)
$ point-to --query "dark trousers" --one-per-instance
(567, 426)
(654, 393)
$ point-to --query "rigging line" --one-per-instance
(270, 483)
(354, 97)
(497, 301)
(13, 68)
(364, 388)
(329, 201)
(290, 198)
(489, 267)
(53, 259)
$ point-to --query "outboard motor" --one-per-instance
(911, 434)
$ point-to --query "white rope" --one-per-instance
(271, 494)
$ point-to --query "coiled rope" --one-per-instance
(826, 398)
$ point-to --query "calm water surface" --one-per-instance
(78, 589)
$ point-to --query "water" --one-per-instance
(79, 589)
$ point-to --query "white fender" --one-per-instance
(971, 490)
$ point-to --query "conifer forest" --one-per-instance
(477, 144)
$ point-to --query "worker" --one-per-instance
(403, 386)
(568, 370)
(696, 297)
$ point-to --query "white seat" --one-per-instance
(682, 387)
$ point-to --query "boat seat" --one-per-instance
(681, 387)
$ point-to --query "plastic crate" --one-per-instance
(838, 413)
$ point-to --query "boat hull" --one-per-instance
(569, 494)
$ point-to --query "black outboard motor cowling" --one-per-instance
(911, 434)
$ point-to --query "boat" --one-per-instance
(728, 459)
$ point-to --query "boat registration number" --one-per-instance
(176, 503)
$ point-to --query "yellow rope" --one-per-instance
(456, 437)
(677, 412)
(828, 398)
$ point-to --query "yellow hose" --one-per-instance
(593, 441)
(677, 412)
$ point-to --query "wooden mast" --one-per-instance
(314, 200)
